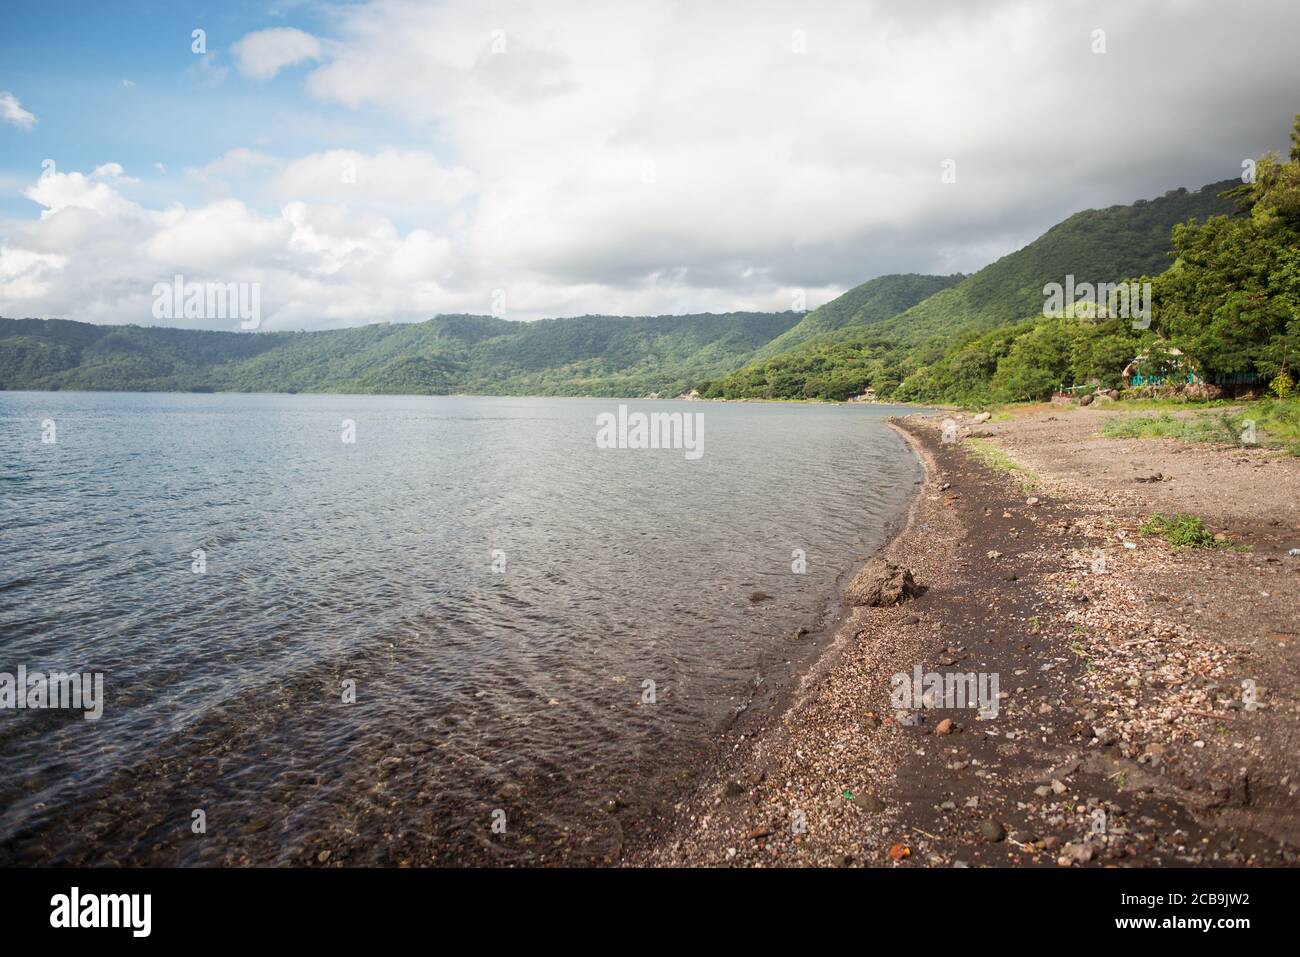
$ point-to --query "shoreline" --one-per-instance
(1121, 739)
(780, 691)
(733, 758)
(477, 395)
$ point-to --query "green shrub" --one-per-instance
(1181, 531)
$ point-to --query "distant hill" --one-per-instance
(1096, 245)
(874, 301)
(879, 334)
(588, 355)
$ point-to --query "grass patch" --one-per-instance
(1279, 419)
(995, 458)
(1172, 404)
(1276, 425)
(1200, 428)
(1180, 531)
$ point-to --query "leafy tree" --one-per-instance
(1232, 298)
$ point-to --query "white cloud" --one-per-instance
(217, 237)
(59, 191)
(94, 255)
(263, 54)
(27, 275)
(405, 179)
(389, 176)
(113, 172)
(621, 145)
(11, 111)
(421, 257)
(657, 158)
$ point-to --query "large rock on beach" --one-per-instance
(880, 584)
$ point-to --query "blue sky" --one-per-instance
(120, 83)
(387, 160)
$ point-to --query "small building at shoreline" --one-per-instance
(1165, 365)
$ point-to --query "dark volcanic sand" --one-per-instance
(1121, 697)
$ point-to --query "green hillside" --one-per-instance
(1097, 245)
(911, 337)
(589, 355)
(874, 301)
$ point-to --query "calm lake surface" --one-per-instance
(497, 590)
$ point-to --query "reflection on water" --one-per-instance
(530, 624)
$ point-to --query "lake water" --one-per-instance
(495, 591)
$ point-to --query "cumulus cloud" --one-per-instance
(389, 176)
(59, 191)
(11, 111)
(27, 275)
(94, 254)
(657, 158)
(263, 54)
(113, 172)
(727, 143)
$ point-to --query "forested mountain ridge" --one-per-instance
(585, 355)
(893, 356)
(588, 355)
(1094, 245)
(911, 337)
(873, 301)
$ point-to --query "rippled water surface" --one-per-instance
(477, 690)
